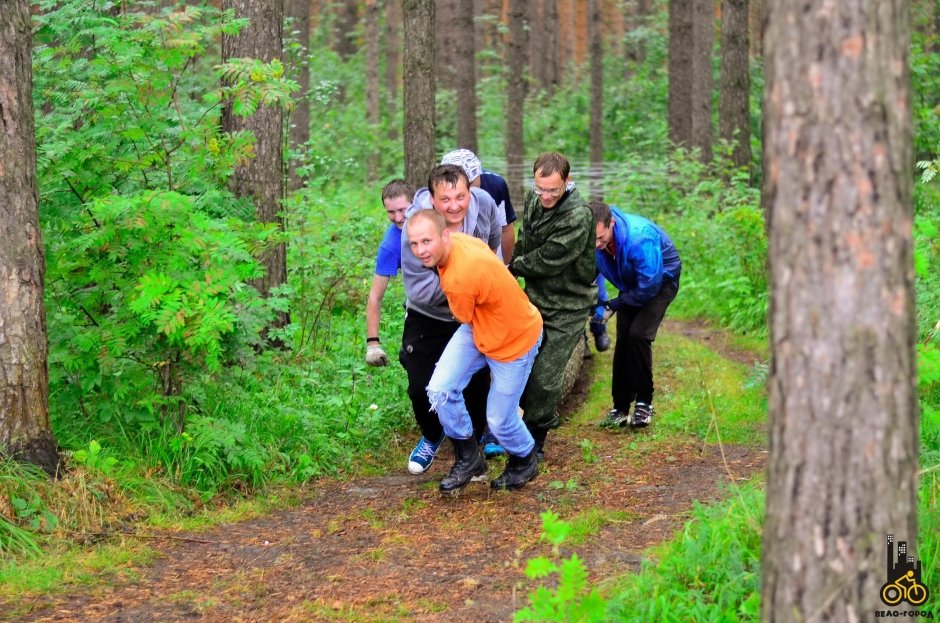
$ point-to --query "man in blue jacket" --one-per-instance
(640, 260)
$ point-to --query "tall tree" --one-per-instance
(691, 34)
(392, 43)
(445, 40)
(549, 58)
(466, 67)
(680, 72)
(344, 27)
(734, 116)
(756, 20)
(24, 377)
(703, 39)
(392, 48)
(373, 162)
(515, 96)
(843, 383)
(298, 11)
(262, 177)
(419, 123)
(595, 43)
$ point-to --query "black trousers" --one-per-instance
(633, 353)
(422, 343)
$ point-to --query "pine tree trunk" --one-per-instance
(550, 57)
(262, 178)
(680, 72)
(595, 40)
(756, 20)
(703, 39)
(734, 117)
(392, 43)
(299, 12)
(344, 27)
(373, 162)
(843, 385)
(445, 40)
(419, 123)
(466, 68)
(24, 378)
(515, 94)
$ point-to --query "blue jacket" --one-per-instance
(645, 256)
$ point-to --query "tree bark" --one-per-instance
(262, 177)
(392, 43)
(515, 94)
(344, 27)
(24, 377)
(691, 32)
(680, 72)
(445, 39)
(373, 162)
(466, 68)
(392, 49)
(703, 38)
(843, 383)
(419, 123)
(595, 42)
(734, 115)
(756, 19)
(299, 13)
(550, 74)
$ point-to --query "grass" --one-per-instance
(63, 566)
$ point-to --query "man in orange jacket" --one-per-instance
(500, 329)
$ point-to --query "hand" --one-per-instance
(375, 356)
(599, 310)
(614, 304)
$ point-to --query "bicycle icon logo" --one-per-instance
(914, 593)
(903, 581)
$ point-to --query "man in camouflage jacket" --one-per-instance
(555, 256)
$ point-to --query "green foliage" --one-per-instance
(574, 600)
(709, 572)
(144, 292)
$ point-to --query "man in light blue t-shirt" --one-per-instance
(397, 196)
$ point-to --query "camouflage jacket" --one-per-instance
(555, 255)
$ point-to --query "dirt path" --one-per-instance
(392, 548)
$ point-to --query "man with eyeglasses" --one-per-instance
(555, 256)
(429, 323)
(397, 196)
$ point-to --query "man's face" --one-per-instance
(549, 188)
(395, 209)
(426, 243)
(603, 235)
(452, 201)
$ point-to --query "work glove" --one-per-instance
(598, 315)
(614, 304)
(375, 356)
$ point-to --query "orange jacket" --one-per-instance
(482, 293)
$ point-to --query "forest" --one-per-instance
(190, 207)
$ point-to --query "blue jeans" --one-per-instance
(457, 364)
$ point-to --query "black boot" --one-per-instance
(539, 435)
(468, 462)
(519, 470)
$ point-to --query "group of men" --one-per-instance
(477, 347)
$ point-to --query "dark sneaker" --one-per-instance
(616, 418)
(519, 470)
(642, 415)
(468, 463)
(491, 447)
(423, 455)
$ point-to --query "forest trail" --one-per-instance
(392, 548)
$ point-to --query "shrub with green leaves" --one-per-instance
(574, 599)
(143, 296)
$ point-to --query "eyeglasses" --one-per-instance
(551, 192)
